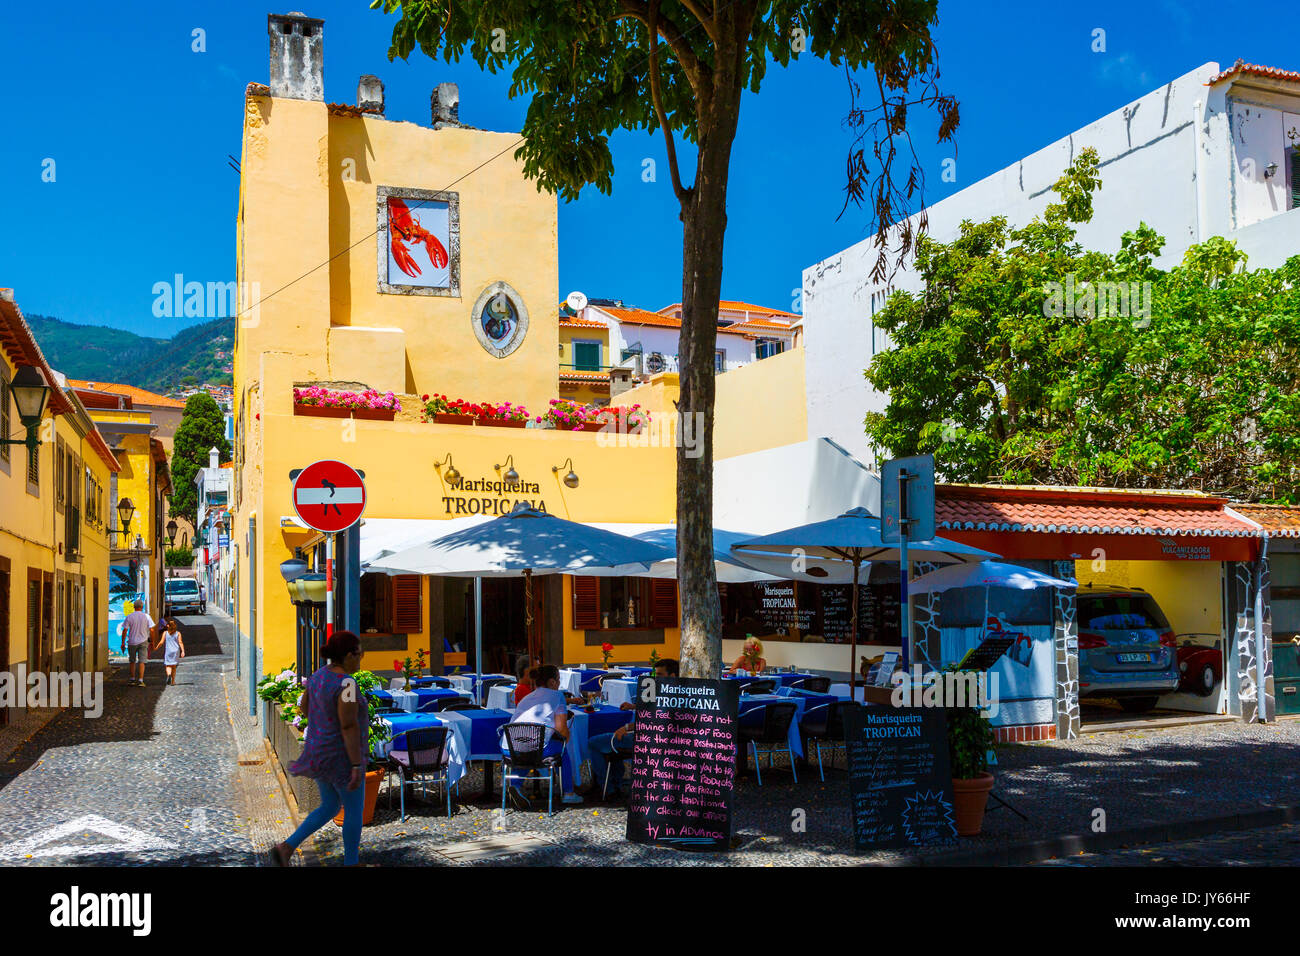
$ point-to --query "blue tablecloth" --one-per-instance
(583, 726)
(480, 730)
(785, 679)
(589, 678)
(427, 695)
(752, 707)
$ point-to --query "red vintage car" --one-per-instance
(1200, 665)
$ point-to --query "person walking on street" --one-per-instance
(137, 629)
(174, 649)
(203, 598)
(334, 753)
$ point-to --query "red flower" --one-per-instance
(397, 665)
(607, 647)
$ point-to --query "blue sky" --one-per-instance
(139, 127)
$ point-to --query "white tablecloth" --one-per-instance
(463, 684)
(405, 699)
(842, 691)
(570, 681)
(619, 691)
(501, 697)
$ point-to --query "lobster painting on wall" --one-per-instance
(418, 239)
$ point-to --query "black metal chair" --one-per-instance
(612, 675)
(615, 756)
(760, 687)
(425, 756)
(827, 727)
(488, 683)
(525, 750)
(774, 732)
(434, 681)
(446, 703)
(459, 703)
(818, 685)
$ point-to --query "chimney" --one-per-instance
(214, 458)
(446, 105)
(297, 56)
(370, 94)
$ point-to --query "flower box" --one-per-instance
(335, 411)
(502, 422)
(447, 418)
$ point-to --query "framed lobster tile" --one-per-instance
(418, 241)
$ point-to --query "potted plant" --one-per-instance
(507, 415)
(605, 650)
(622, 419)
(568, 415)
(446, 411)
(369, 404)
(970, 739)
(376, 733)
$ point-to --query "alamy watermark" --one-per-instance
(1103, 299)
(946, 689)
(681, 430)
(77, 690)
(177, 298)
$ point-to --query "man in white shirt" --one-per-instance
(546, 705)
(137, 629)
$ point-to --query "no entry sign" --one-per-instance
(329, 496)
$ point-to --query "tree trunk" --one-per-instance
(704, 218)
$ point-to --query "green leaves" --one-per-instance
(1029, 359)
(202, 428)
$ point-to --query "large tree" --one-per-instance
(202, 428)
(681, 67)
(1030, 359)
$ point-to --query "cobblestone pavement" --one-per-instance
(1274, 846)
(151, 781)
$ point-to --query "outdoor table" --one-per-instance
(427, 695)
(501, 697)
(786, 678)
(583, 726)
(752, 707)
(569, 680)
(468, 682)
(589, 679)
(478, 730)
(620, 691)
(399, 724)
(636, 671)
(842, 692)
(404, 699)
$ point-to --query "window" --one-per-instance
(4, 412)
(720, 360)
(766, 348)
(34, 467)
(1293, 174)
(586, 356)
(609, 604)
(58, 475)
(391, 604)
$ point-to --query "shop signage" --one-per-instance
(684, 763)
(491, 496)
(900, 782)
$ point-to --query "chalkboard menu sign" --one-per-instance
(900, 783)
(684, 763)
(879, 617)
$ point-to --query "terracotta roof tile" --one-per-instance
(140, 396)
(641, 317)
(1278, 521)
(1039, 509)
(577, 322)
(1254, 69)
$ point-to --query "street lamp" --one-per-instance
(125, 511)
(171, 533)
(31, 394)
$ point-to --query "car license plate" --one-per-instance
(1134, 658)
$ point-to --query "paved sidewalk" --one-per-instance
(153, 780)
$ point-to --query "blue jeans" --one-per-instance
(331, 797)
(601, 746)
(554, 748)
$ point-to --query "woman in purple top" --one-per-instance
(333, 754)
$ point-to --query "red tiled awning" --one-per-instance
(1276, 521)
(1058, 522)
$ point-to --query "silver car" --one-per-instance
(1127, 649)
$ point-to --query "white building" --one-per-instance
(1212, 153)
(212, 538)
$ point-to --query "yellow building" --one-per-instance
(138, 549)
(54, 558)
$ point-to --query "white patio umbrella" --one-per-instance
(729, 568)
(854, 538)
(520, 544)
(986, 574)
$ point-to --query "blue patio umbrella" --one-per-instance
(854, 538)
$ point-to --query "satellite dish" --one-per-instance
(576, 301)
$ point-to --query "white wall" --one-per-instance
(1169, 159)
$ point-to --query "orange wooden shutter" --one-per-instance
(406, 603)
(663, 602)
(586, 602)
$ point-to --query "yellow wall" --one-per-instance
(1189, 592)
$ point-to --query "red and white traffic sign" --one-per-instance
(329, 496)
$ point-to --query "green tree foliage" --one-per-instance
(680, 67)
(202, 427)
(1021, 363)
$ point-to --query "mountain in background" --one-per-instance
(197, 355)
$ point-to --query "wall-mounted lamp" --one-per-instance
(452, 476)
(171, 533)
(30, 394)
(1270, 170)
(571, 479)
(510, 475)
